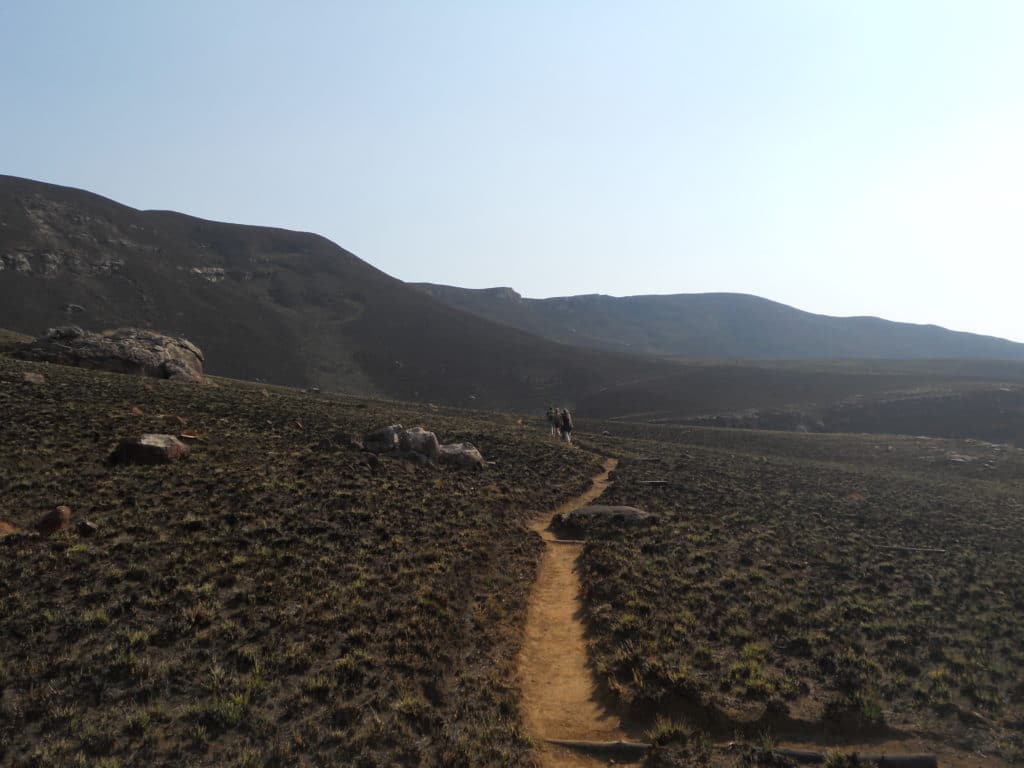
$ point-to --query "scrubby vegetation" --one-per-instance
(816, 584)
(275, 598)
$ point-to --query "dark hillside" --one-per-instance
(718, 326)
(286, 307)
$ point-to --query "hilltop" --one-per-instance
(720, 326)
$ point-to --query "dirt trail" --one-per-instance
(559, 698)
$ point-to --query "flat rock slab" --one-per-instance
(604, 515)
(149, 449)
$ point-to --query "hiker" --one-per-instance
(554, 420)
(566, 426)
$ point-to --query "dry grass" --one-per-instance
(271, 600)
(768, 598)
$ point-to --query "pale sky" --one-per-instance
(847, 158)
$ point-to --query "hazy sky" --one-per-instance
(862, 157)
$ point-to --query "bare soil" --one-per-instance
(560, 698)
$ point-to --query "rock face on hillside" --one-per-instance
(125, 350)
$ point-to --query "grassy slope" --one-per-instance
(768, 585)
(271, 600)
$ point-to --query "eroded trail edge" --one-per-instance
(559, 694)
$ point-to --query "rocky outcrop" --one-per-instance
(149, 449)
(419, 441)
(383, 440)
(126, 350)
(461, 456)
(580, 521)
(50, 264)
(419, 444)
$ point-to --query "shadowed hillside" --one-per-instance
(718, 326)
(286, 307)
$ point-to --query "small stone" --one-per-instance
(31, 377)
(149, 449)
(55, 520)
(86, 528)
(7, 529)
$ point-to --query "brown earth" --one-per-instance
(559, 697)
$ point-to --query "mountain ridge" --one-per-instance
(271, 304)
(719, 325)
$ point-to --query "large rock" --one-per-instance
(55, 520)
(126, 350)
(461, 455)
(383, 440)
(149, 449)
(586, 518)
(419, 441)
